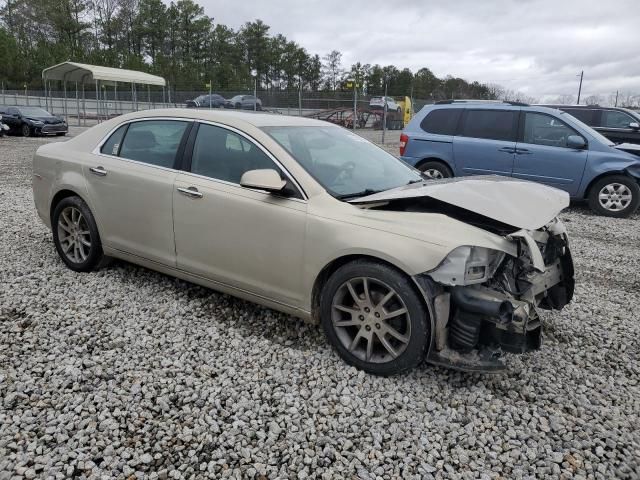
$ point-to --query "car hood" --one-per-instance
(629, 148)
(518, 203)
(50, 120)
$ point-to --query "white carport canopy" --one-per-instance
(82, 73)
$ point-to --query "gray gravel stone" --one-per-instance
(128, 372)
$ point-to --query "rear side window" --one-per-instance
(616, 119)
(443, 121)
(155, 142)
(112, 145)
(584, 115)
(490, 124)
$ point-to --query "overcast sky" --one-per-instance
(535, 46)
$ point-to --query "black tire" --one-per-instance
(398, 110)
(238, 105)
(440, 169)
(94, 256)
(619, 207)
(419, 336)
(26, 130)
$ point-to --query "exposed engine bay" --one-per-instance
(486, 302)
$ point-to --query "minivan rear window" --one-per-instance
(491, 124)
(442, 121)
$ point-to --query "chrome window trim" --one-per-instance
(96, 151)
(253, 141)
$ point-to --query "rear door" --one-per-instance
(130, 183)
(486, 142)
(542, 154)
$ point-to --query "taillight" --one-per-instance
(404, 139)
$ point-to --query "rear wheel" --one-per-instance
(373, 317)
(435, 170)
(75, 235)
(26, 130)
(615, 196)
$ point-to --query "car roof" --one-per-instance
(231, 117)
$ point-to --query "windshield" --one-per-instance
(34, 112)
(345, 164)
(573, 120)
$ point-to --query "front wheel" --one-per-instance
(75, 235)
(374, 318)
(26, 130)
(615, 196)
(435, 170)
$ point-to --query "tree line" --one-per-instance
(181, 43)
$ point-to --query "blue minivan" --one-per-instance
(456, 138)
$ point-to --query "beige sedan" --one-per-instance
(309, 219)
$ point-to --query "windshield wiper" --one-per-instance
(367, 191)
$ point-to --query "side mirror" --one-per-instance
(576, 141)
(264, 179)
(634, 125)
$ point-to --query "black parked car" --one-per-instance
(207, 101)
(29, 121)
(245, 102)
(620, 125)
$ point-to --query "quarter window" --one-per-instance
(443, 121)
(112, 145)
(155, 142)
(224, 155)
(546, 130)
(491, 124)
(615, 119)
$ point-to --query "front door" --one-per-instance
(246, 238)
(486, 142)
(130, 185)
(615, 125)
(542, 154)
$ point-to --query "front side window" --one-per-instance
(490, 124)
(443, 121)
(345, 164)
(540, 129)
(155, 142)
(224, 155)
(615, 119)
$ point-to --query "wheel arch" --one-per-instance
(61, 195)
(326, 272)
(610, 173)
(435, 159)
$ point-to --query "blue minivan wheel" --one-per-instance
(434, 170)
(614, 196)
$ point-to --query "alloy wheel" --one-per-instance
(615, 197)
(371, 320)
(74, 235)
(433, 173)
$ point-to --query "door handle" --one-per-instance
(190, 192)
(507, 149)
(522, 151)
(100, 171)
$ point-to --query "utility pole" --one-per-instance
(254, 74)
(210, 82)
(616, 99)
(384, 111)
(580, 87)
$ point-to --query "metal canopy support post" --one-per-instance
(66, 116)
(97, 102)
(77, 104)
(115, 97)
(164, 103)
(46, 103)
(149, 96)
(84, 106)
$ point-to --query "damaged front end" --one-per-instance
(486, 302)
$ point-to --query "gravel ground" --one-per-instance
(128, 373)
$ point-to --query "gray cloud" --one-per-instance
(534, 46)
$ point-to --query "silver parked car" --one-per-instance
(309, 219)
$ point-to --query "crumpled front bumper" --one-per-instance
(474, 324)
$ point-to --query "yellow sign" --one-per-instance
(208, 85)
